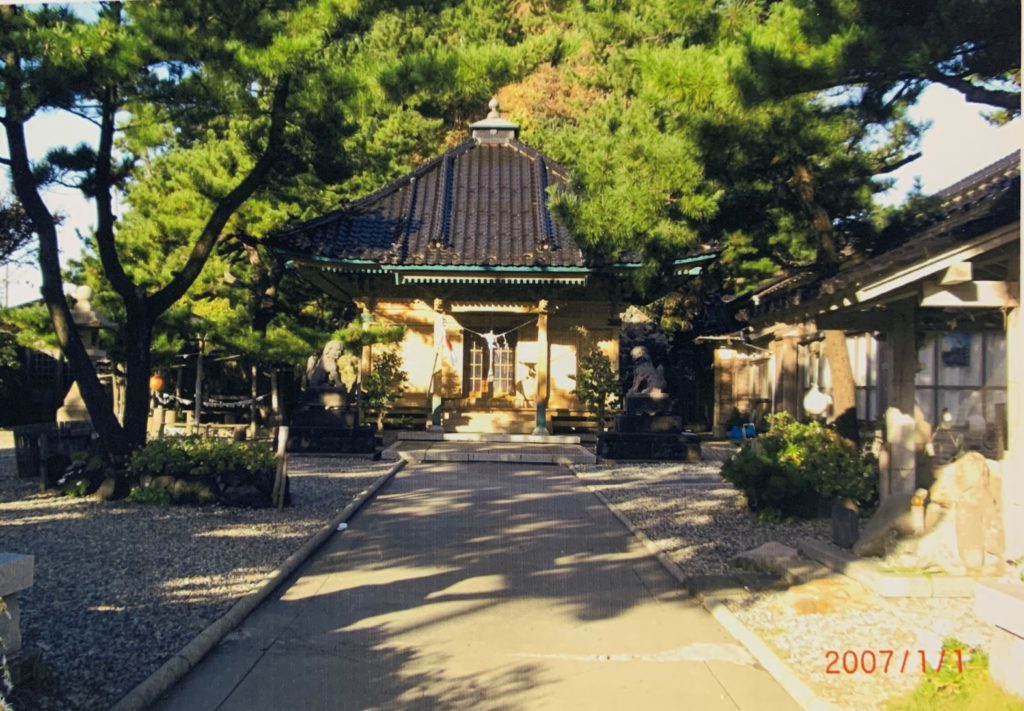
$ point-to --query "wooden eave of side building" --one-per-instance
(978, 223)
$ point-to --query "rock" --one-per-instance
(235, 477)
(264, 481)
(177, 469)
(247, 496)
(893, 515)
(163, 482)
(771, 557)
(112, 489)
(186, 491)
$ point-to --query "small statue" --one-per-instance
(647, 380)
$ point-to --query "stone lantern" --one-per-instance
(88, 322)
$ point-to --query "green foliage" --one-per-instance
(597, 382)
(149, 495)
(6, 683)
(77, 487)
(30, 325)
(355, 335)
(15, 229)
(950, 688)
(792, 468)
(385, 383)
(199, 456)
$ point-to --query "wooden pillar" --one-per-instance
(725, 394)
(436, 375)
(365, 357)
(543, 357)
(253, 390)
(787, 376)
(900, 474)
(1013, 461)
(197, 411)
(275, 399)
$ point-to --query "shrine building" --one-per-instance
(497, 297)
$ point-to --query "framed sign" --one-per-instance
(956, 350)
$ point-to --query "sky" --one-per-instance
(958, 143)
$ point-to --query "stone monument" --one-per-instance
(326, 419)
(956, 525)
(647, 429)
(88, 323)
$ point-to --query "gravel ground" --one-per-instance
(701, 522)
(697, 517)
(119, 587)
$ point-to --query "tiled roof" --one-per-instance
(479, 204)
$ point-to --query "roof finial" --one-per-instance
(493, 104)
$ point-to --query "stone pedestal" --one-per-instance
(682, 446)
(324, 422)
(646, 431)
(16, 574)
(73, 408)
(1002, 604)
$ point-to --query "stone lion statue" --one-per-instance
(324, 371)
(647, 380)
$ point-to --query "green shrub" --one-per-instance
(198, 456)
(597, 382)
(385, 384)
(962, 682)
(791, 469)
(149, 495)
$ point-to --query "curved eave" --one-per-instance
(479, 274)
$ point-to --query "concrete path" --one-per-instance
(480, 586)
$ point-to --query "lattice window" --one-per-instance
(476, 367)
(490, 372)
(504, 371)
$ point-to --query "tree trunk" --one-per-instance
(844, 388)
(821, 223)
(138, 367)
(97, 400)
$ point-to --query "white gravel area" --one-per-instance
(119, 587)
(697, 517)
(701, 521)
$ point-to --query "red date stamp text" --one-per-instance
(890, 661)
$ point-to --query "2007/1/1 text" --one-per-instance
(888, 661)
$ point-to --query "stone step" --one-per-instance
(414, 451)
(487, 437)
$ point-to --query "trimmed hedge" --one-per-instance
(201, 470)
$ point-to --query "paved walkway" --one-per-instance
(480, 586)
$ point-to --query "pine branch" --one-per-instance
(977, 94)
(105, 242)
(226, 206)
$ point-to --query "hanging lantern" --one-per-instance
(816, 402)
(156, 382)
